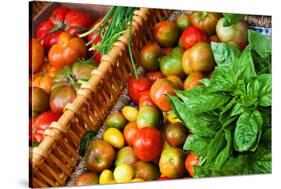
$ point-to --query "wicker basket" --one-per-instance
(57, 155)
(54, 160)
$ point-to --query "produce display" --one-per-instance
(202, 108)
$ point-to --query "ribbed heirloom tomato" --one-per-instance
(44, 78)
(148, 143)
(67, 50)
(61, 19)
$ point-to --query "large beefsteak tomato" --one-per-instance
(61, 19)
(67, 50)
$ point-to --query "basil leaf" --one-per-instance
(247, 129)
(224, 154)
(195, 123)
(237, 109)
(205, 102)
(225, 53)
(265, 94)
(196, 144)
(266, 138)
(253, 88)
(230, 19)
(223, 79)
(260, 162)
(234, 165)
(262, 65)
(215, 146)
(259, 43)
(266, 116)
(244, 68)
(200, 171)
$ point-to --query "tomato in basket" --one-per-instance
(61, 19)
(41, 123)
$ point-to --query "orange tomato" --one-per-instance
(67, 50)
(37, 55)
(129, 132)
(44, 78)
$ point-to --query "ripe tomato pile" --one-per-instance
(59, 62)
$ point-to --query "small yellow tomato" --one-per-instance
(106, 177)
(172, 118)
(114, 137)
(123, 173)
(137, 180)
(130, 113)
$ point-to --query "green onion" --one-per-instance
(111, 30)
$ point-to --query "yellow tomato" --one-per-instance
(137, 180)
(123, 173)
(172, 118)
(114, 137)
(106, 177)
(130, 113)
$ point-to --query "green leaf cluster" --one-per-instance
(229, 116)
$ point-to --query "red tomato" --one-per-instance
(41, 123)
(191, 36)
(129, 133)
(61, 19)
(46, 38)
(145, 99)
(190, 161)
(77, 22)
(58, 15)
(148, 143)
(137, 86)
(97, 39)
